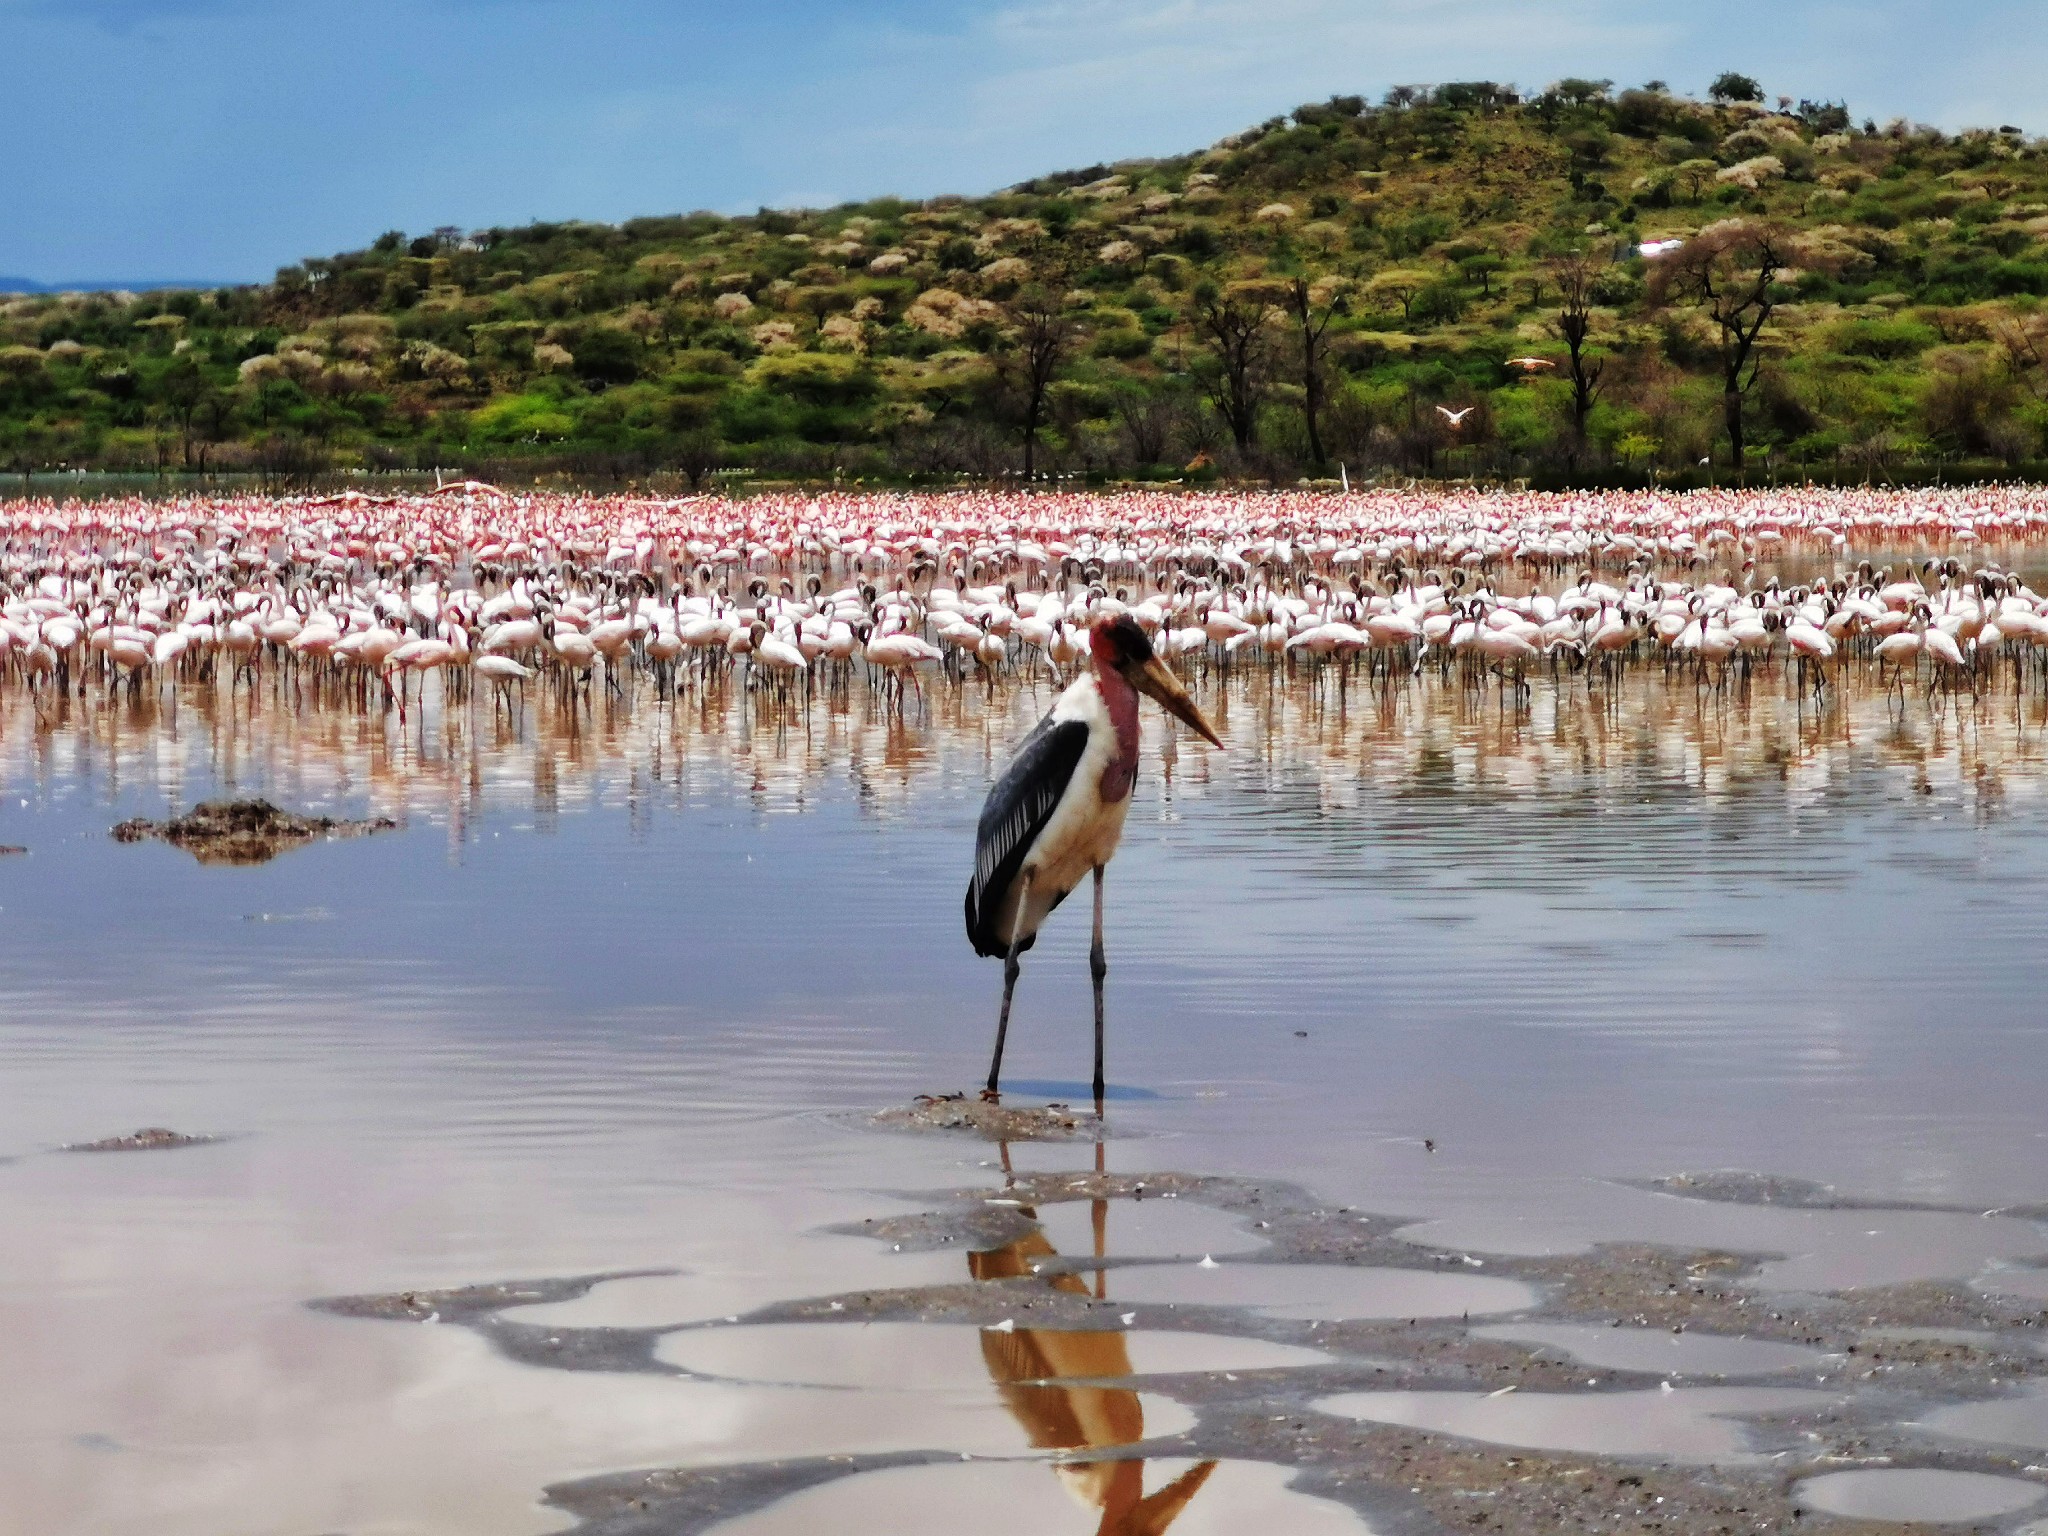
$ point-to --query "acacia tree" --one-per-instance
(1695, 174)
(1401, 285)
(1730, 86)
(1234, 323)
(1313, 305)
(1731, 272)
(1573, 275)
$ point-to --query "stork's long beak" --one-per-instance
(1153, 677)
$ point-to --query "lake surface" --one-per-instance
(620, 997)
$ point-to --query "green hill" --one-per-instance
(1848, 298)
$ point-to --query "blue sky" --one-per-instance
(223, 138)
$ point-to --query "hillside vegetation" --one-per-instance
(1822, 295)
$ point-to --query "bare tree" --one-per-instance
(696, 454)
(1147, 418)
(1313, 305)
(1731, 272)
(2024, 341)
(1573, 275)
(211, 424)
(28, 444)
(1233, 323)
(1042, 328)
(179, 392)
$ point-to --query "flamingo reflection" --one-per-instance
(1027, 1366)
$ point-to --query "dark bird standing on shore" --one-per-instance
(1057, 812)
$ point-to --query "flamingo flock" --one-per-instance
(368, 600)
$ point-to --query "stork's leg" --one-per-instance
(1011, 970)
(1098, 967)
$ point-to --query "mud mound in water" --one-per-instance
(244, 831)
(992, 1122)
(154, 1138)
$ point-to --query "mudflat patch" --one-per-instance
(992, 1122)
(152, 1138)
(244, 831)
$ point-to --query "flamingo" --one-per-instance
(897, 655)
(1812, 647)
(336, 585)
(776, 657)
(503, 672)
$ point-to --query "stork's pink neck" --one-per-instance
(1121, 699)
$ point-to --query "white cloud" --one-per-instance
(1160, 67)
(248, 132)
(1048, 83)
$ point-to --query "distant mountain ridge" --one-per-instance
(28, 285)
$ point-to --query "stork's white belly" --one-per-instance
(1080, 839)
(1084, 829)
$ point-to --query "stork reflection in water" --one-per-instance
(1057, 813)
(1027, 1366)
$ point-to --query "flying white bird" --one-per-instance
(1455, 418)
(1530, 364)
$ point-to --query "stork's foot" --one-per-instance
(991, 1096)
(992, 1121)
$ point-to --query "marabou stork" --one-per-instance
(1057, 812)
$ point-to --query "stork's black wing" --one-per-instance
(1016, 812)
